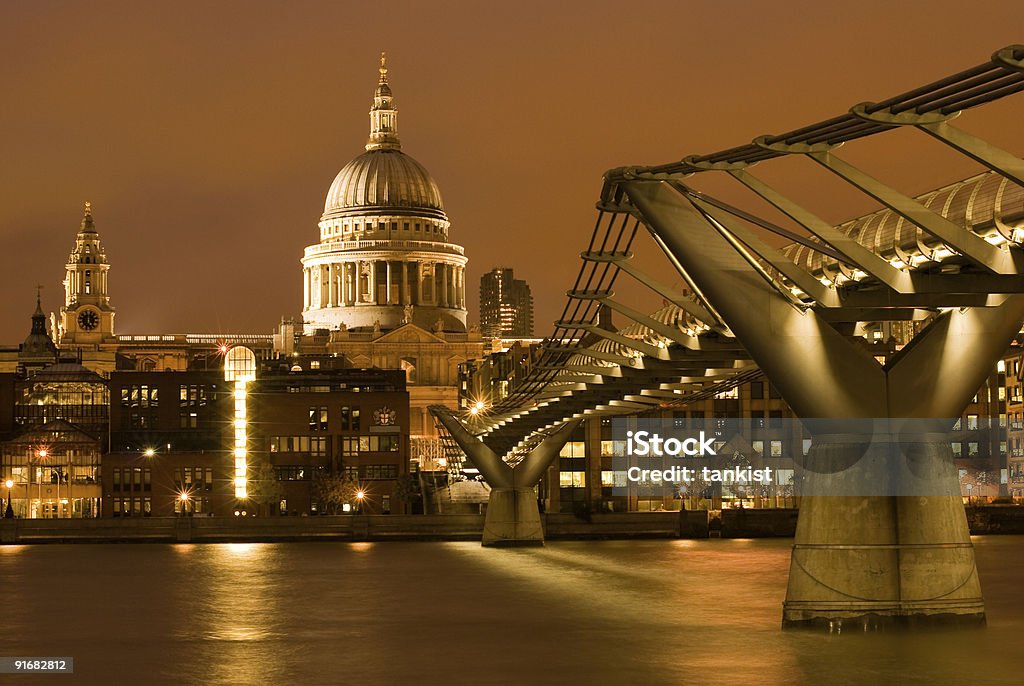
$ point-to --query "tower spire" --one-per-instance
(383, 114)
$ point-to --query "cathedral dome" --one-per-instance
(385, 179)
(384, 259)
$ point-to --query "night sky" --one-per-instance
(207, 134)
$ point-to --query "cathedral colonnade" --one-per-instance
(350, 283)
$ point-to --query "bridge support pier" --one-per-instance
(513, 516)
(884, 555)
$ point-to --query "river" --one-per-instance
(614, 612)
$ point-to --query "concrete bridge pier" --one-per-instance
(513, 517)
(873, 552)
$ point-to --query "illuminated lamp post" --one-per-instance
(184, 498)
(360, 497)
(9, 511)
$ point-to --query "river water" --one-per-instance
(631, 612)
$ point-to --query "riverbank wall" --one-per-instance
(694, 524)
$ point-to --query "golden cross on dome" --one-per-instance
(88, 208)
(383, 68)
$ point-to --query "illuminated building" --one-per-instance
(384, 258)
(175, 433)
(55, 422)
(506, 305)
(385, 287)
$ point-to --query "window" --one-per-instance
(293, 473)
(188, 420)
(972, 422)
(380, 472)
(572, 479)
(776, 448)
(143, 396)
(349, 418)
(775, 419)
(191, 395)
(314, 445)
(972, 449)
(354, 445)
(318, 418)
(757, 390)
(573, 449)
(758, 447)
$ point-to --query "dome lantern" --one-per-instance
(383, 115)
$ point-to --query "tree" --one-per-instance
(407, 490)
(332, 490)
(262, 485)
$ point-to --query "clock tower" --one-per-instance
(87, 316)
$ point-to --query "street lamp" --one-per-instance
(360, 497)
(9, 511)
(184, 498)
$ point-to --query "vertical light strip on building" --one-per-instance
(240, 369)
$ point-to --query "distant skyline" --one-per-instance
(206, 135)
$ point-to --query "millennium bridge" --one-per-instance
(790, 304)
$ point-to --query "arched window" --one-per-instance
(409, 367)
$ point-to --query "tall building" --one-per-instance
(87, 315)
(384, 258)
(385, 287)
(506, 305)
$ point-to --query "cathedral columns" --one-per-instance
(404, 296)
(331, 298)
(305, 289)
(462, 287)
(346, 287)
(444, 285)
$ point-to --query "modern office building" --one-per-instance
(506, 305)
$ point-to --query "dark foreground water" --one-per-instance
(638, 612)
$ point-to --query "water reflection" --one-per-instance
(383, 613)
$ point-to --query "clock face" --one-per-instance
(384, 416)
(88, 320)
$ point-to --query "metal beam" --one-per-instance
(967, 243)
(854, 252)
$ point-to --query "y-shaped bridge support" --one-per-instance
(513, 518)
(868, 558)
